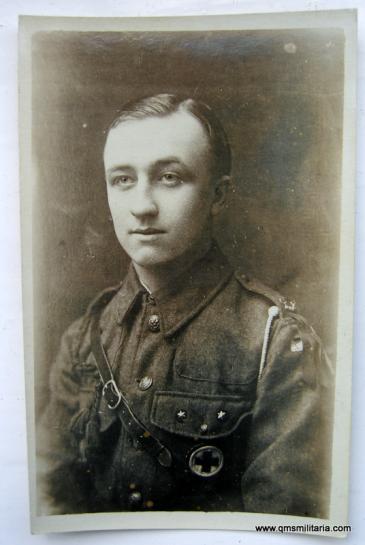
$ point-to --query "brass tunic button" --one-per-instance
(151, 299)
(154, 323)
(145, 383)
(297, 345)
(135, 498)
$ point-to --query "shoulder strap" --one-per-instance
(255, 286)
(98, 304)
(278, 309)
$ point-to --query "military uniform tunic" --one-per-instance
(242, 405)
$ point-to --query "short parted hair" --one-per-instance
(165, 104)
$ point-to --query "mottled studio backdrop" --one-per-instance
(279, 95)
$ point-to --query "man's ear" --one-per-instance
(220, 194)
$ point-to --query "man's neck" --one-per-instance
(161, 276)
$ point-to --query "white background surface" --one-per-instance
(14, 506)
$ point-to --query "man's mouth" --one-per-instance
(146, 231)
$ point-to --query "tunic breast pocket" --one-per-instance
(222, 357)
(206, 435)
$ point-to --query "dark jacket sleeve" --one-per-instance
(289, 451)
(62, 478)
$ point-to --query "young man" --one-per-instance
(189, 386)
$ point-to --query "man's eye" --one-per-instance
(122, 180)
(170, 178)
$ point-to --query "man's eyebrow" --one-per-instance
(157, 164)
(168, 160)
(118, 168)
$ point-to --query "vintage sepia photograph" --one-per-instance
(187, 209)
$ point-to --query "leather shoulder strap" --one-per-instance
(111, 392)
(278, 308)
(255, 286)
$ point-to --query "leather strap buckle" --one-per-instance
(112, 394)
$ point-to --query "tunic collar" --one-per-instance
(190, 294)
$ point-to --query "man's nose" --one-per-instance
(143, 203)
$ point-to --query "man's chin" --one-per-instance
(150, 257)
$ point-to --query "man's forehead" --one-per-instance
(174, 134)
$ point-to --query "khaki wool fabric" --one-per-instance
(187, 361)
